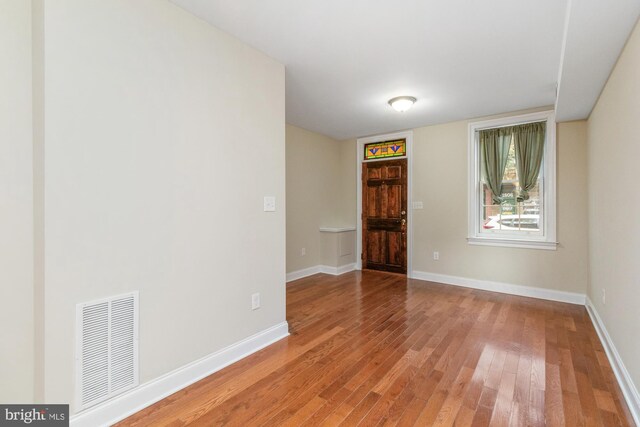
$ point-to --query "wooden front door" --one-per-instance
(384, 215)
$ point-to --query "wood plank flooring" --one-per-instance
(376, 349)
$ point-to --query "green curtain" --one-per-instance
(494, 151)
(529, 144)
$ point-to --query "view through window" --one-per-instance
(511, 216)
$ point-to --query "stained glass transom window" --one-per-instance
(380, 150)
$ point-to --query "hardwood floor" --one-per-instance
(376, 349)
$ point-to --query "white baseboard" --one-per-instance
(120, 407)
(299, 274)
(336, 271)
(505, 288)
(629, 389)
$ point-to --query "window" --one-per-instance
(381, 150)
(512, 181)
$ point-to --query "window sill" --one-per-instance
(513, 243)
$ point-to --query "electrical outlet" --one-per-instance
(604, 296)
(255, 301)
(303, 252)
(269, 204)
(436, 256)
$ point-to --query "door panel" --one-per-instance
(394, 172)
(394, 201)
(375, 247)
(394, 248)
(374, 201)
(374, 173)
(384, 209)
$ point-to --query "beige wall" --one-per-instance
(440, 181)
(315, 182)
(37, 26)
(162, 136)
(350, 174)
(614, 229)
(16, 204)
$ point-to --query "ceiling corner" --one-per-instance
(594, 35)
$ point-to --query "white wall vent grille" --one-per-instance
(106, 348)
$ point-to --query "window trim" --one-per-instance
(548, 239)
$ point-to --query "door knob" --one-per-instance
(404, 221)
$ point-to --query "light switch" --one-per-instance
(417, 205)
(269, 204)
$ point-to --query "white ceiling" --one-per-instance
(595, 33)
(461, 58)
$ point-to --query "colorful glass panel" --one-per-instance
(381, 150)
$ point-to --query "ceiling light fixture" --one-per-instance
(402, 103)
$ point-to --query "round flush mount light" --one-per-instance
(402, 103)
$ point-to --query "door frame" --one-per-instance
(408, 135)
